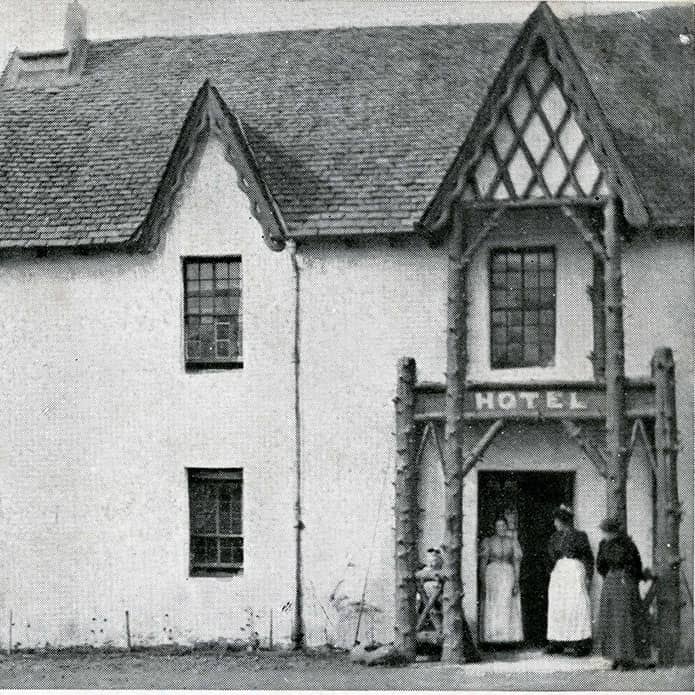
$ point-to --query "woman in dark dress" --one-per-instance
(569, 608)
(622, 625)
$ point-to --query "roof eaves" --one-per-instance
(147, 235)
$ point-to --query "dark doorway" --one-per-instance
(529, 498)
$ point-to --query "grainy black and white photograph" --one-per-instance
(346, 345)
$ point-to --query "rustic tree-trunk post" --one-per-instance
(457, 640)
(667, 506)
(597, 292)
(406, 511)
(616, 415)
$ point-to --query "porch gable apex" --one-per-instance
(539, 138)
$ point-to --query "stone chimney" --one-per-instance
(75, 33)
(50, 69)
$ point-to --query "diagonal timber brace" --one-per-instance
(429, 431)
(489, 226)
(438, 443)
(639, 430)
(593, 453)
(481, 447)
(590, 237)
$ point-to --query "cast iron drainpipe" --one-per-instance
(298, 621)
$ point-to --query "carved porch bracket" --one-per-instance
(593, 453)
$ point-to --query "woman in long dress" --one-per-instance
(500, 559)
(622, 623)
(569, 608)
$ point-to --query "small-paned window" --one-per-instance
(216, 523)
(522, 307)
(212, 295)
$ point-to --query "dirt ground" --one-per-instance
(283, 670)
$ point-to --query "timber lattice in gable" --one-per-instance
(535, 147)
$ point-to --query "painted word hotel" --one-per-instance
(527, 400)
(286, 311)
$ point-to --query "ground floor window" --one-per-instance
(216, 521)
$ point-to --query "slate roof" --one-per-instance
(352, 129)
(643, 79)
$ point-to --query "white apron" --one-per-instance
(569, 609)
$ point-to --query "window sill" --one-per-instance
(212, 574)
(207, 366)
(516, 367)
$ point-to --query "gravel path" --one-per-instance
(297, 671)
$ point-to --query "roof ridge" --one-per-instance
(362, 28)
(346, 29)
(285, 32)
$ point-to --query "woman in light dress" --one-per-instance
(500, 560)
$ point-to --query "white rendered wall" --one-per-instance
(366, 305)
(99, 421)
(659, 311)
(362, 309)
(93, 500)
(574, 270)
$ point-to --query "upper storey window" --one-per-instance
(535, 148)
(212, 292)
(522, 307)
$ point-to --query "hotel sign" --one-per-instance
(514, 401)
(573, 401)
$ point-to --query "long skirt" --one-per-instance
(501, 609)
(569, 609)
(622, 623)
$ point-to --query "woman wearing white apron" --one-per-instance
(569, 608)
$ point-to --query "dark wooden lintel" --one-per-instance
(533, 203)
(534, 416)
(642, 383)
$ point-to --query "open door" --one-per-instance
(527, 499)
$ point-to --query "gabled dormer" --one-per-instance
(539, 137)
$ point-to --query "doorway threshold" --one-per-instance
(536, 661)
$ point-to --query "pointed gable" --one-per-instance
(534, 148)
(540, 135)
